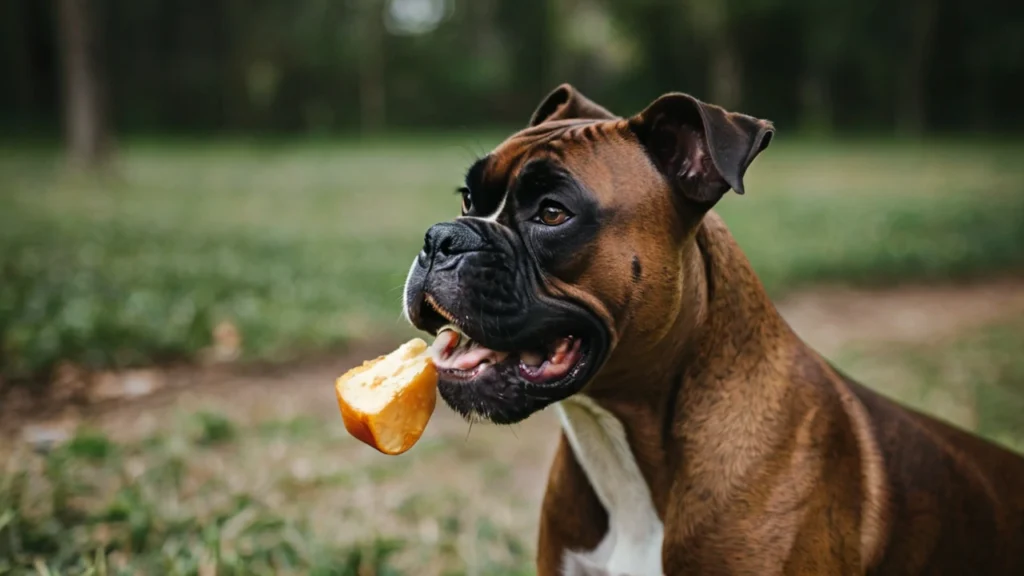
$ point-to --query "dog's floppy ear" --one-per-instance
(564, 103)
(701, 148)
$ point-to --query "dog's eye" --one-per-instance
(552, 214)
(467, 199)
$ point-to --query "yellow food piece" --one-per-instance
(388, 401)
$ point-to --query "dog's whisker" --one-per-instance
(474, 150)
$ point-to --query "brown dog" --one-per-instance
(701, 435)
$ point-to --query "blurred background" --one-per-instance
(207, 210)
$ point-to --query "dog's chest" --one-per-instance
(633, 542)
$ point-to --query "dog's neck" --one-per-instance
(725, 320)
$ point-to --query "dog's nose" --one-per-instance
(449, 239)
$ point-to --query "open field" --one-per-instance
(305, 247)
(248, 470)
(254, 474)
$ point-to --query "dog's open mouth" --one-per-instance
(459, 358)
(504, 368)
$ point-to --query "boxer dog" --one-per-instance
(700, 434)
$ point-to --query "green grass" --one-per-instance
(179, 504)
(872, 214)
(305, 247)
(974, 380)
(129, 511)
(214, 490)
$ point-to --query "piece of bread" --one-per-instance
(388, 401)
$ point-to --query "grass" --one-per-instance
(128, 510)
(178, 503)
(225, 489)
(975, 380)
(305, 247)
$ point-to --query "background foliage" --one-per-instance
(249, 179)
(329, 66)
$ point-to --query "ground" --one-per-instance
(170, 333)
(470, 493)
(304, 247)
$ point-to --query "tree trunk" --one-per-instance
(18, 45)
(235, 101)
(711, 19)
(526, 27)
(726, 72)
(978, 107)
(372, 90)
(86, 131)
(815, 103)
(912, 106)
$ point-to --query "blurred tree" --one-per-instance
(912, 103)
(824, 38)
(372, 91)
(669, 54)
(370, 65)
(16, 46)
(234, 61)
(86, 130)
(527, 29)
(712, 22)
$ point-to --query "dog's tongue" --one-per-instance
(468, 359)
(454, 351)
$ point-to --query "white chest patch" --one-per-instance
(632, 545)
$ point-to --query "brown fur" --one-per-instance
(761, 458)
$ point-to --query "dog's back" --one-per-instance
(947, 490)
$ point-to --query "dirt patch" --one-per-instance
(830, 319)
(18, 406)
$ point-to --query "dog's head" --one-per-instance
(569, 244)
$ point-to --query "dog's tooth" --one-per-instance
(561, 351)
(445, 342)
(461, 340)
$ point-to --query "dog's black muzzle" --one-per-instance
(480, 276)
